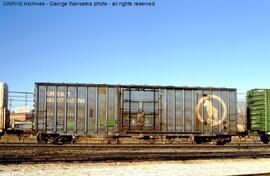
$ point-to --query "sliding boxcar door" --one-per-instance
(140, 110)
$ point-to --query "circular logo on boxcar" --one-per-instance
(212, 112)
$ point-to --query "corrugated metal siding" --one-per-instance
(3, 95)
(77, 110)
(3, 106)
(199, 111)
(83, 109)
(259, 103)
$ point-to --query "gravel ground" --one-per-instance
(195, 167)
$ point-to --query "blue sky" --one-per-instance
(178, 42)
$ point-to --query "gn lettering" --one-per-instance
(61, 97)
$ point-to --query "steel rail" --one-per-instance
(17, 153)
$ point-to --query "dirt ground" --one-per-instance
(195, 167)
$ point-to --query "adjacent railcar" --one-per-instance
(64, 111)
(4, 117)
(258, 113)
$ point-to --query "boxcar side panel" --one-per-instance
(205, 112)
(259, 105)
(232, 112)
(76, 109)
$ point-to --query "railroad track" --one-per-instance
(18, 153)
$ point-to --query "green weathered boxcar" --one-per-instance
(258, 111)
(64, 110)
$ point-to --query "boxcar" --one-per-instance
(4, 118)
(258, 113)
(64, 111)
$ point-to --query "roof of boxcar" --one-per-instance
(131, 86)
(260, 89)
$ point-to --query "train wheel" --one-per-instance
(51, 140)
(265, 139)
(198, 140)
(221, 141)
(41, 139)
(114, 140)
(59, 140)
